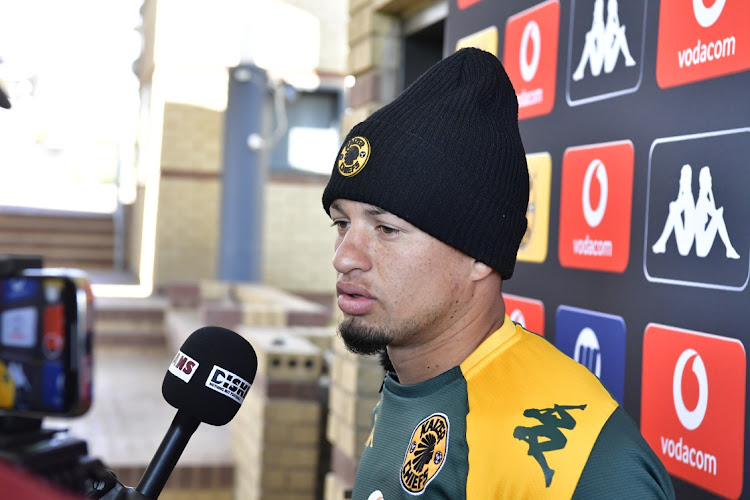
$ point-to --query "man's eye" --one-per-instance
(339, 224)
(388, 230)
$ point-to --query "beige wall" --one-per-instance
(360, 37)
(185, 140)
(187, 225)
(297, 238)
(333, 18)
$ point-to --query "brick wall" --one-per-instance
(188, 216)
(298, 239)
(188, 141)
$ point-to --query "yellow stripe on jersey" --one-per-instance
(534, 415)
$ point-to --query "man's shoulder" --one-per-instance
(621, 460)
(529, 363)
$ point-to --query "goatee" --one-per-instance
(362, 340)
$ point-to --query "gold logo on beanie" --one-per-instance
(353, 156)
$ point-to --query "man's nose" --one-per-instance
(352, 252)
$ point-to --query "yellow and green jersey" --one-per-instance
(517, 419)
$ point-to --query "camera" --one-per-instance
(46, 329)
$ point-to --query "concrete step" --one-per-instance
(63, 239)
(130, 321)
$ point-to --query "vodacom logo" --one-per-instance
(516, 316)
(528, 68)
(706, 16)
(691, 419)
(594, 216)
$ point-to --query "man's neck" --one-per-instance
(417, 363)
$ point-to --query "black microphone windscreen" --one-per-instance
(4, 102)
(210, 375)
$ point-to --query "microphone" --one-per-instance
(207, 381)
(4, 102)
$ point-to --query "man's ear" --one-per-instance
(480, 270)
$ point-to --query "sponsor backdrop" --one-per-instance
(636, 120)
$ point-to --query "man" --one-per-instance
(429, 197)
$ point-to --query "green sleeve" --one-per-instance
(622, 463)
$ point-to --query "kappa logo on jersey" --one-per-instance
(547, 436)
(695, 211)
(701, 39)
(530, 57)
(425, 454)
(693, 406)
(597, 341)
(528, 313)
(595, 203)
(605, 51)
(534, 244)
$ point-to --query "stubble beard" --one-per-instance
(368, 340)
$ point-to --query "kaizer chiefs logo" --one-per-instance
(425, 454)
(353, 156)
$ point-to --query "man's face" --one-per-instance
(396, 284)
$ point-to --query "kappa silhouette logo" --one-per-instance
(693, 406)
(604, 42)
(694, 234)
(709, 40)
(551, 420)
(530, 57)
(695, 222)
(595, 202)
(604, 50)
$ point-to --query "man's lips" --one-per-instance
(354, 299)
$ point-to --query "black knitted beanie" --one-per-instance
(447, 157)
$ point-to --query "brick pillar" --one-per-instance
(276, 433)
(354, 392)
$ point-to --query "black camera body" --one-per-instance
(46, 362)
(46, 331)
